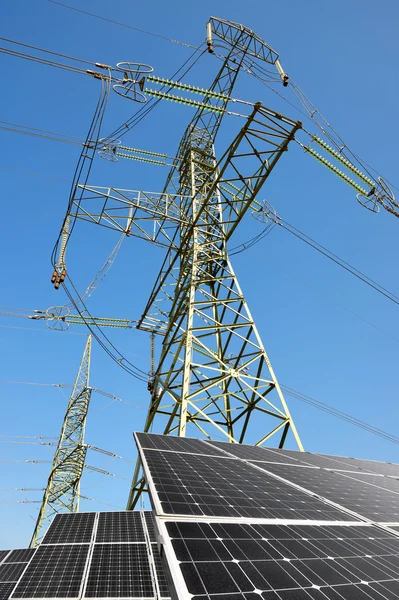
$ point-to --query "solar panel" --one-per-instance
(253, 453)
(225, 487)
(354, 492)
(11, 572)
(175, 444)
(55, 571)
(70, 528)
(3, 554)
(224, 561)
(120, 527)
(5, 590)
(163, 586)
(20, 556)
(119, 571)
(254, 522)
(150, 525)
(121, 559)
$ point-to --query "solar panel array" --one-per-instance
(89, 555)
(12, 565)
(240, 522)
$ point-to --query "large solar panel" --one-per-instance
(19, 556)
(224, 487)
(70, 528)
(252, 523)
(121, 526)
(119, 571)
(12, 565)
(221, 560)
(55, 571)
(5, 590)
(93, 555)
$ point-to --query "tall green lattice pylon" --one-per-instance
(63, 486)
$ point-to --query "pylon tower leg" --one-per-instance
(214, 373)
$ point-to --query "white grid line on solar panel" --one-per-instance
(197, 485)
(228, 560)
(120, 526)
(354, 497)
(53, 572)
(119, 571)
(62, 532)
(3, 555)
(167, 443)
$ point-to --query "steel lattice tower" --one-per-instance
(213, 373)
(63, 486)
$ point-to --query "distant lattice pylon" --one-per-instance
(63, 486)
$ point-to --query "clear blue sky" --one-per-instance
(344, 55)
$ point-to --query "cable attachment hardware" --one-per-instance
(130, 86)
(56, 318)
(107, 149)
(265, 214)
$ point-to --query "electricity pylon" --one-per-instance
(213, 373)
(63, 486)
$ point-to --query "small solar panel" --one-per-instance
(55, 571)
(120, 527)
(11, 571)
(224, 561)
(189, 484)
(119, 571)
(20, 556)
(3, 554)
(70, 528)
(5, 590)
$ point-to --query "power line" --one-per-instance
(340, 414)
(336, 259)
(330, 299)
(87, 62)
(162, 37)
